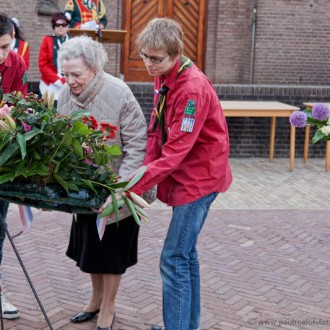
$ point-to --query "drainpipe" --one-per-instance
(254, 22)
(214, 78)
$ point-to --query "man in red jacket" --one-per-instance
(187, 157)
(13, 78)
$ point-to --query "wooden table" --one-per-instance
(310, 105)
(270, 109)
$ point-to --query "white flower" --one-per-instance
(325, 130)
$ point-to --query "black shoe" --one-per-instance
(83, 316)
(156, 327)
(108, 328)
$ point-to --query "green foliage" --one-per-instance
(64, 158)
(46, 147)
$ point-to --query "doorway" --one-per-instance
(191, 14)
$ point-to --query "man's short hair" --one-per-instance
(6, 25)
(162, 34)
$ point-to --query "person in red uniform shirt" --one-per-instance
(51, 78)
(19, 45)
(187, 156)
(13, 78)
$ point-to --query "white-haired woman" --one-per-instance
(108, 99)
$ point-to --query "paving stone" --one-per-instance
(284, 274)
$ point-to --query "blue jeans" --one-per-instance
(3, 213)
(179, 265)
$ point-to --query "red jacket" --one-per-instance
(193, 164)
(46, 61)
(13, 71)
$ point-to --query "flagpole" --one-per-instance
(26, 275)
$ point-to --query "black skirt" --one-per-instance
(113, 254)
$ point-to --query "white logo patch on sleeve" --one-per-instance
(187, 124)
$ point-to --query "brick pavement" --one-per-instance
(264, 250)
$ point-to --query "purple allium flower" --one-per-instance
(320, 111)
(298, 119)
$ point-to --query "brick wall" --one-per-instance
(229, 41)
(293, 42)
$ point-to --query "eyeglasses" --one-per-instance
(74, 75)
(61, 25)
(153, 59)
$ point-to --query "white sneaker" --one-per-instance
(9, 311)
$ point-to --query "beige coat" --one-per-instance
(110, 100)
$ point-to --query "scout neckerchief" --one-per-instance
(58, 41)
(161, 105)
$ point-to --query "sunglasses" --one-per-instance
(61, 25)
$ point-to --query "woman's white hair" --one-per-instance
(90, 50)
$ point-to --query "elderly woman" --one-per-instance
(108, 99)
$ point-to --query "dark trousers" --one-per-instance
(3, 213)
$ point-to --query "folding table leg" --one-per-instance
(272, 138)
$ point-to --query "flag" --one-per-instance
(26, 215)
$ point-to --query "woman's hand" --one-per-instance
(134, 202)
(108, 201)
